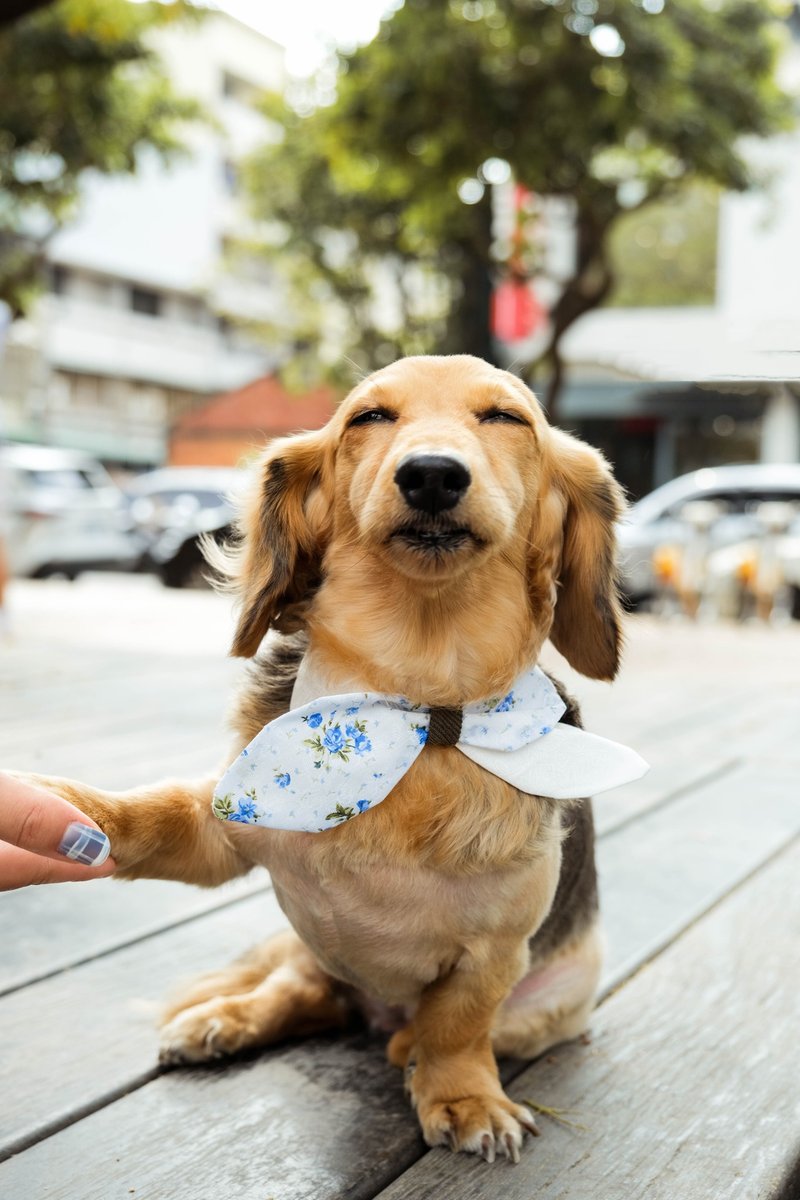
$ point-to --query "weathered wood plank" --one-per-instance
(317, 1081)
(103, 716)
(116, 703)
(46, 930)
(104, 1042)
(689, 1087)
(657, 875)
(117, 712)
(688, 757)
(134, 758)
(328, 1119)
(682, 675)
(692, 726)
(660, 873)
(665, 782)
(294, 1123)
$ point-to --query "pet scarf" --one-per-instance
(333, 757)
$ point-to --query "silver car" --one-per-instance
(656, 519)
(61, 513)
(172, 507)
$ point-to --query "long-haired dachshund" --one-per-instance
(424, 544)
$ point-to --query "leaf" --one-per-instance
(372, 177)
(80, 89)
(222, 806)
(341, 813)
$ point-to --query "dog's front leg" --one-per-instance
(453, 1077)
(163, 831)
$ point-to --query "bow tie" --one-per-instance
(327, 760)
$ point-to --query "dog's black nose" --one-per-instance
(432, 482)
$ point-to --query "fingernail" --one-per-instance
(84, 844)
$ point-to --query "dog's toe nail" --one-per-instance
(487, 1147)
(528, 1121)
(512, 1149)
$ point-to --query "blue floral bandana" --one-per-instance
(328, 760)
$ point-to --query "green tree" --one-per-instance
(79, 88)
(611, 103)
(666, 253)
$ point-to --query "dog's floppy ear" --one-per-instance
(587, 619)
(276, 564)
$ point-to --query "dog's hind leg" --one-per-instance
(554, 1001)
(276, 991)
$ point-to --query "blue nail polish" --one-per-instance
(86, 845)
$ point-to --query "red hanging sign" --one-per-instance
(516, 312)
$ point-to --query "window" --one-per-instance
(65, 478)
(236, 88)
(230, 175)
(145, 301)
(195, 311)
(59, 279)
(772, 496)
(730, 502)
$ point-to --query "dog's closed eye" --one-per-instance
(372, 416)
(502, 416)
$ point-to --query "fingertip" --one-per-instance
(85, 844)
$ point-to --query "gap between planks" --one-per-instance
(235, 1111)
(775, 833)
(700, 1038)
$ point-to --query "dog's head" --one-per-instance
(432, 468)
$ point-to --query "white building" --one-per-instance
(132, 330)
(639, 365)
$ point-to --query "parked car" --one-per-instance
(173, 507)
(655, 520)
(63, 513)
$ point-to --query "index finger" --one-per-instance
(41, 821)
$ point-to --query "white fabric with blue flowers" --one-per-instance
(333, 757)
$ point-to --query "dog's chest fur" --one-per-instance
(451, 861)
(390, 928)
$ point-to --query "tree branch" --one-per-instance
(14, 9)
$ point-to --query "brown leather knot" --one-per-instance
(445, 726)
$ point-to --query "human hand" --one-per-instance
(45, 839)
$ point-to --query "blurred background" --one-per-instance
(214, 218)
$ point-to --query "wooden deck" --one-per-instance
(689, 1086)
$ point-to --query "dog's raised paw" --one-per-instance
(489, 1126)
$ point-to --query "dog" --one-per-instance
(423, 544)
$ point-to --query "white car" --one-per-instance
(656, 519)
(61, 513)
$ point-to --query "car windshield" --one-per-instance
(205, 499)
(699, 485)
(66, 478)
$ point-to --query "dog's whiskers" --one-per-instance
(360, 372)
